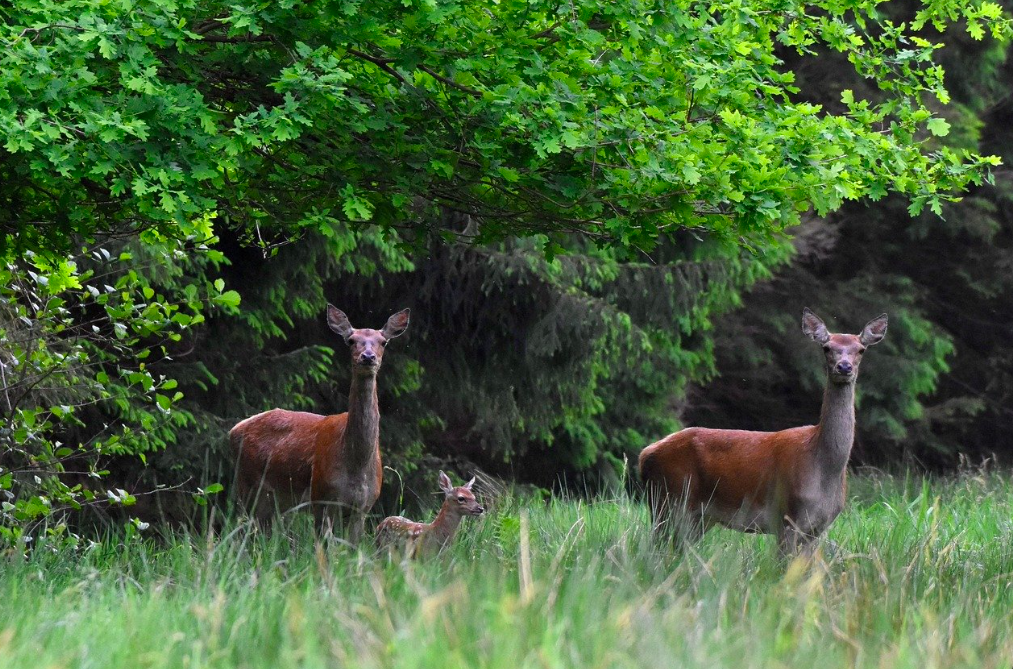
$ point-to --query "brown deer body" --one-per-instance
(791, 483)
(427, 538)
(287, 458)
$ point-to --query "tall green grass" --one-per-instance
(920, 577)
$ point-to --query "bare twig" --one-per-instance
(3, 378)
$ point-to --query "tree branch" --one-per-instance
(450, 82)
(238, 39)
(382, 63)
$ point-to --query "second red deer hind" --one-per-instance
(286, 458)
(791, 483)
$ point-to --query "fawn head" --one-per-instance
(843, 352)
(460, 499)
(366, 344)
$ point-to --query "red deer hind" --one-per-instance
(790, 483)
(424, 538)
(286, 458)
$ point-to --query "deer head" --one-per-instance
(366, 344)
(460, 500)
(843, 352)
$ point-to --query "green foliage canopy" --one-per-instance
(623, 121)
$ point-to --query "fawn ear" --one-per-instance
(813, 327)
(874, 331)
(470, 483)
(396, 324)
(338, 321)
(445, 485)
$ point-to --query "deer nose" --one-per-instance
(481, 509)
(368, 356)
(844, 367)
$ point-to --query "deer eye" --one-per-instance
(461, 499)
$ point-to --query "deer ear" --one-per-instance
(813, 327)
(470, 483)
(338, 322)
(445, 485)
(874, 331)
(396, 324)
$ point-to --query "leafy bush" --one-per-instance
(81, 340)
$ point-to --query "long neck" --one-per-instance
(835, 434)
(363, 431)
(442, 530)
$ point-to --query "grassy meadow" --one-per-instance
(920, 577)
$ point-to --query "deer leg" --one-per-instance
(688, 528)
(264, 510)
(796, 540)
(688, 514)
(323, 520)
(258, 502)
(357, 526)
(676, 523)
(788, 542)
(657, 503)
(667, 519)
(801, 529)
